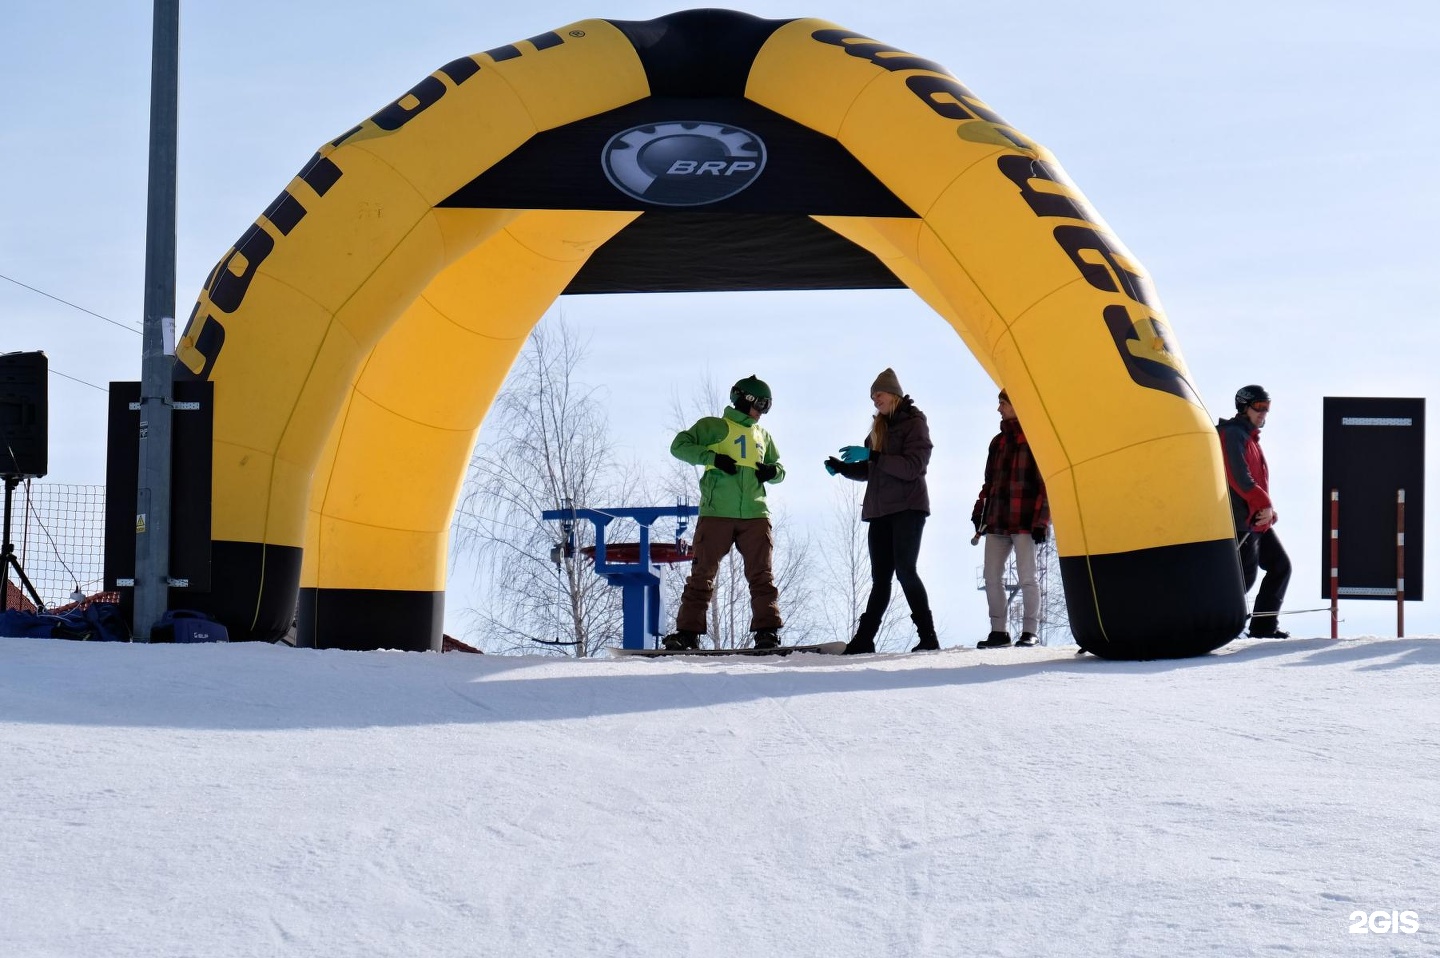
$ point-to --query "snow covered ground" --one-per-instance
(255, 800)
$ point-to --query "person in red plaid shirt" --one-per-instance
(1011, 513)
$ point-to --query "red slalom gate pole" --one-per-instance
(1334, 563)
(1400, 564)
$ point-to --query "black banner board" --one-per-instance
(191, 439)
(1373, 449)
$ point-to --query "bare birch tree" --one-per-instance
(547, 446)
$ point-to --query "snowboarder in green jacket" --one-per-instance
(739, 458)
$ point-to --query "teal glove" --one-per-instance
(854, 453)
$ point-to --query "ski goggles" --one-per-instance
(760, 403)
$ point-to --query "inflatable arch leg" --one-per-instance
(358, 331)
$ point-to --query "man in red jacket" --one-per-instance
(1249, 479)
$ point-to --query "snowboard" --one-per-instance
(824, 648)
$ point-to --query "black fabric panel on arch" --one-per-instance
(1166, 602)
(365, 619)
(805, 172)
(698, 53)
(254, 589)
(696, 252)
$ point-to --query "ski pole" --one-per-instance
(1289, 612)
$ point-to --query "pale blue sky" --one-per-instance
(1267, 162)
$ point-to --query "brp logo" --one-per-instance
(683, 163)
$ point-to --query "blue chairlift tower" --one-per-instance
(632, 566)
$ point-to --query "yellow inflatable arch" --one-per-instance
(357, 333)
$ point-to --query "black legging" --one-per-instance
(894, 549)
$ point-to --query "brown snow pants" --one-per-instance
(713, 538)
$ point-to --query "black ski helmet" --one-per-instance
(1248, 395)
(750, 391)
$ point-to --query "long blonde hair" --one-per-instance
(879, 428)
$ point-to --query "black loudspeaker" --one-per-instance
(24, 415)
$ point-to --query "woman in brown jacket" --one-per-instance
(892, 462)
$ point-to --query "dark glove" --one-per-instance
(765, 471)
(724, 463)
(832, 465)
(1038, 533)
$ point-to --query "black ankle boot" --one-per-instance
(864, 640)
(995, 640)
(925, 626)
(1263, 626)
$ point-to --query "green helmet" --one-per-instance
(750, 391)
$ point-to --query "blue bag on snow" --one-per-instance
(187, 625)
(107, 621)
(15, 623)
(97, 622)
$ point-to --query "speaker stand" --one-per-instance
(7, 553)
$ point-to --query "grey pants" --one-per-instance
(997, 551)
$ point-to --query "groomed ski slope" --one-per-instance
(254, 800)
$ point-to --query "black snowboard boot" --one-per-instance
(864, 640)
(995, 640)
(767, 639)
(681, 641)
(1027, 639)
(1263, 626)
(925, 625)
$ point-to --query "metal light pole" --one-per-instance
(152, 512)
